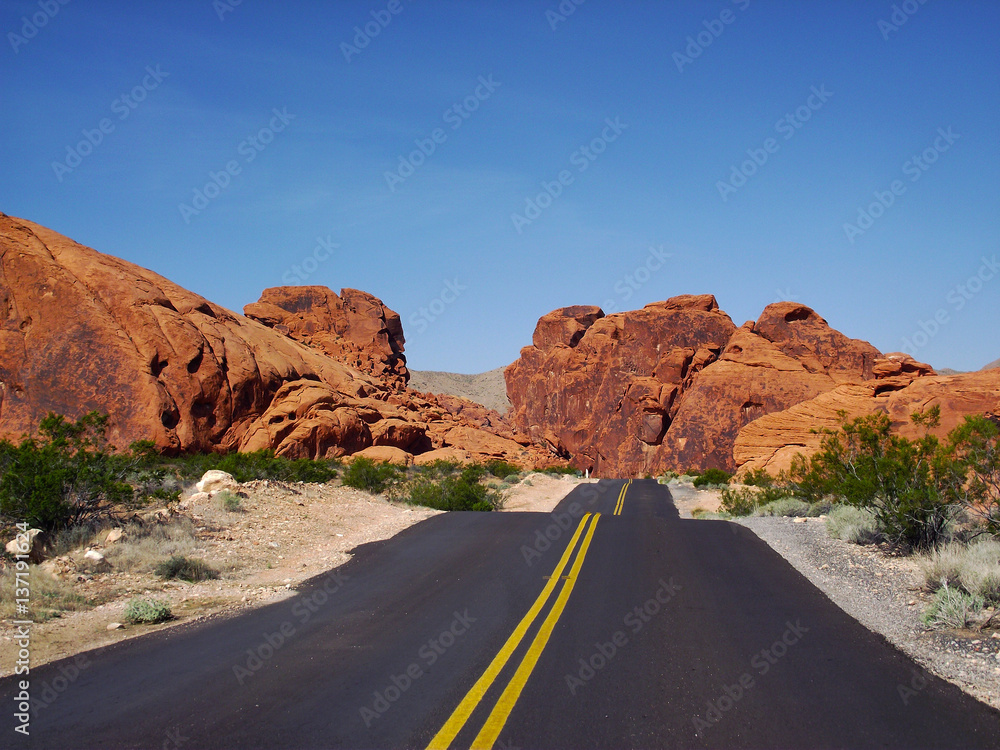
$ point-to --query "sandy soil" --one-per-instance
(285, 534)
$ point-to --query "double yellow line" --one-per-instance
(505, 704)
(621, 499)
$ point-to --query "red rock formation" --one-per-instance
(670, 386)
(84, 331)
(354, 328)
(902, 386)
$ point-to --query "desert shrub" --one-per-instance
(501, 469)
(711, 477)
(464, 492)
(867, 466)
(439, 468)
(667, 476)
(560, 470)
(65, 476)
(143, 546)
(147, 611)
(969, 470)
(852, 524)
(973, 568)
(788, 506)
(229, 501)
(50, 597)
(819, 508)
(739, 501)
(759, 478)
(365, 474)
(952, 608)
(71, 538)
(186, 568)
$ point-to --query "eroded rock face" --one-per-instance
(84, 331)
(310, 374)
(901, 387)
(671, 385)
(355, 327)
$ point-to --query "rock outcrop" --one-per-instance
(310, 374)
(354, 327)
(671, 385)
(901, 387)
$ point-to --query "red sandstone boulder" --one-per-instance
(354, 328)
(671, 385)
(770, 443)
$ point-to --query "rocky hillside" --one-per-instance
(307, 373)
(486, 388)
(993, 365)
(674, 385)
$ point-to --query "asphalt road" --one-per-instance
(611, 623)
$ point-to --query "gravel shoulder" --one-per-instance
(882, 592)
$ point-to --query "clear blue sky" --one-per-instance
(529, 97)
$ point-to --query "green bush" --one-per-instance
(365, 474)
(501, 469)
(66, 476)
(952, 608)
(464, 492)
(147, 612)
(245, 467)
(787, 506)
(758, 478)
(186, 569)
(852, 524)
(712, 477)
(868, 466)
(560, 470)
(230, 501)
(973, 568)
(739, 501)
(439, 468)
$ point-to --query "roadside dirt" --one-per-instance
(284, 534)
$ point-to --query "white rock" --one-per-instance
(113, 536)
(115, 626)
(214, 479)
(92, 555)
(26, 544)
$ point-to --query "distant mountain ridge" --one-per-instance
(486, 388)
(992, 365)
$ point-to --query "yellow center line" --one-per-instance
(498, 717)
(620, 506)
(464, 709)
